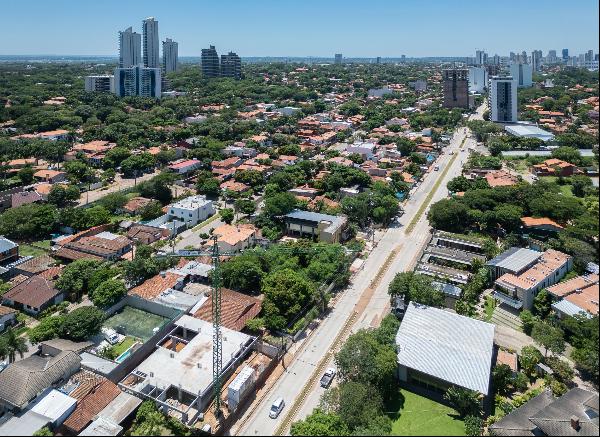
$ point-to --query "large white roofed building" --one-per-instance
(438, 349)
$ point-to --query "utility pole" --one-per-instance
(217, 339)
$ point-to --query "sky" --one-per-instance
(367, 28)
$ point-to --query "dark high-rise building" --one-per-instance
(231, 65)
(565, 54)
(456, 88)
(210, 62)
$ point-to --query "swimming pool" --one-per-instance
(125, 354)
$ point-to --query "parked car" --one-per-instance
(276, 408)
(436, 168)
(328, 377)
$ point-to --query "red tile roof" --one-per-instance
(237, 309)
(91, 405)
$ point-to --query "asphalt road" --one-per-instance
(368, 303)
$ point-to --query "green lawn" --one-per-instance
(412, 414)
(34, 249)
(118, 349)
(565, 189)
(134, 322)
(490, 306)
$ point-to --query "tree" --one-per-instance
(473, 425)
(245, 206)
(12, 345)
(466, 402)
(26, 175)
(449, 215)
(208, 186)
(416, 288)
(566, 153)
(135, 165)
(79, 171)
(386, 333)
(502, 378)
(363, 359)
(550, 337)
(581, 184)
(48, 328)
(151, 210)
(61, 195)
(356, 403)
(542, 304)
(242, 273)
(530, 357)
(320, 423)
(44, 431)
(286, 293)
(28, 221)
(75, 278)
(279, 204)
(109, 293)
(82, 323)
(528, 321)
(227, 215)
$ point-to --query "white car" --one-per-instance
(276, 408)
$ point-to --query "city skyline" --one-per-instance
(382, 28)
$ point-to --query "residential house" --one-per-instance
(236, 187)
(22, 381)
(33, 295)
(192, 210)
(573, 414)
(158, 284)
(50, 176)
(235, 238)
(54, 135)
(237, 309)
(95, 243)
(554, 167)
(9, 250)
(25, 198)
(8, 317)
(323, 227)
(185, 166)
(540, 225)
(135, 205)
(146, 234)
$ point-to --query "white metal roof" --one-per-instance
(453, 348)
(54, 405)
(515, 259)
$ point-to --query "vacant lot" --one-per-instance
(413, 414)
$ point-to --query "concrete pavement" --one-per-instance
(119, 184)
(364, 302)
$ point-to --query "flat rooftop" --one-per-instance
(191, 366)
(447, 346)
(191, 202)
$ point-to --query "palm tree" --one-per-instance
(11, 345)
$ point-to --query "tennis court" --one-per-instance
(134, 322)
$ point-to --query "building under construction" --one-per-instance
(456, 88)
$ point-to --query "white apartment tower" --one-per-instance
(150, 39)
(477, 79)
(523, 74)
(130, 48)
(503, 99)
(170, 55)
(99, 83)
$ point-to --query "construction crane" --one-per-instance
(216, 300)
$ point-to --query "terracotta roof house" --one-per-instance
(50, 176)
(237, 309)
(571, 286)
(573, 414)
(146, 234)
(233, 238)
(101, 246)
(33, 295)
(554, 167)
(540, 224)
(89, 406)
(153, 287)
(134, 205)
(25, 198)
(35, 265)
(8, 317)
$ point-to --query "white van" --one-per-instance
(276, 408)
